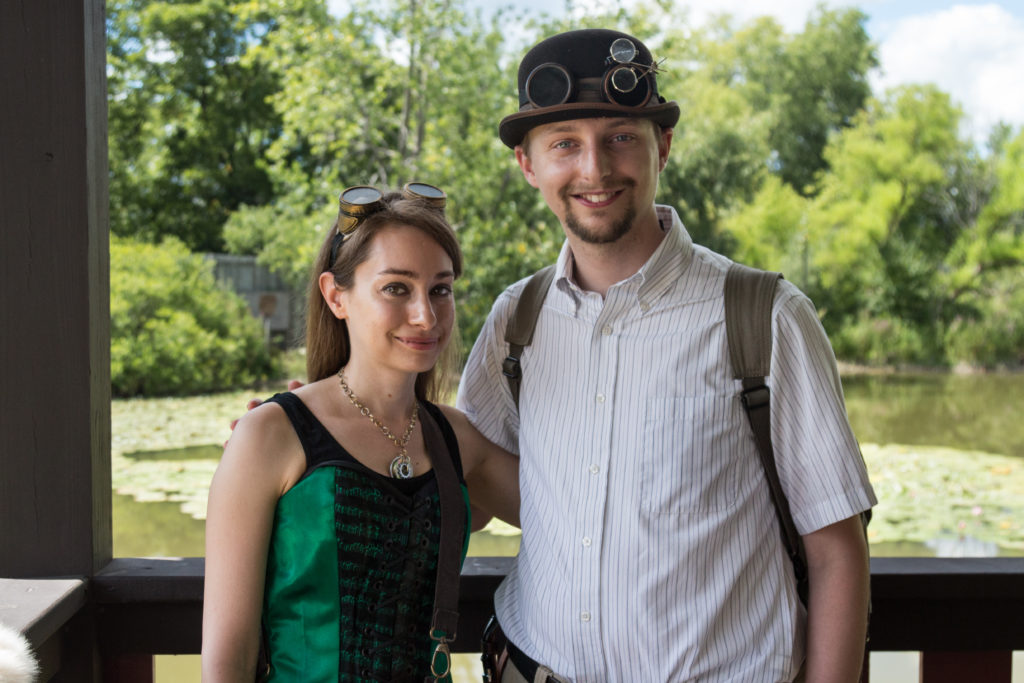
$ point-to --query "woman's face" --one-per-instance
(400, 309)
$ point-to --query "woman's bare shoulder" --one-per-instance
(264, 441)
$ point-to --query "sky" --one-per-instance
(974, 51)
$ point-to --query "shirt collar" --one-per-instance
(662, 269)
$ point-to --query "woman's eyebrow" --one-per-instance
(413, 274)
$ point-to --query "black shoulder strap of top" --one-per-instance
(519, 331)
(749, 295)
(453, 529)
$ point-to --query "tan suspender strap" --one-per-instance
(519, 331)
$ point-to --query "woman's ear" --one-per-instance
(333, 295)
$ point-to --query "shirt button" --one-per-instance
(645, 307)
(584, 616)
(586, 541)
(600, 398)
(594, 469)
(606, 330)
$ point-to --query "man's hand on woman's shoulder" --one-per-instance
(293, 384)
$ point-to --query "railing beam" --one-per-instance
(963, 614)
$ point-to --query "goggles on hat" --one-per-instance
(626, 82)
(360, 201)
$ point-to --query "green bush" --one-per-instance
(881, 341)
(173, 329)
(994, 335)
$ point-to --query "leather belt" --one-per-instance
(523, 664)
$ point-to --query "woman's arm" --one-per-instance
(258, 465)
(492, 473)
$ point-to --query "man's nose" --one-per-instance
(595, 162)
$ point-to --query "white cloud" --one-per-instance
(973, 52)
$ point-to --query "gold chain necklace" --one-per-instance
(401, 466)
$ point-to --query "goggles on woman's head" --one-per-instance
(626, 82)
(358, 202)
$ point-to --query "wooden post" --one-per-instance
(55, 316)
(54, 275)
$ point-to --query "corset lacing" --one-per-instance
(402, 577)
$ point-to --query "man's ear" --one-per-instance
(523, 159)
(664, 146)
(333, 295)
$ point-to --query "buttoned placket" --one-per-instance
(608, 316)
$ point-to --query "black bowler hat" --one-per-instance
(586, 74)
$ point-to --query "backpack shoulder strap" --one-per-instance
(749, 295)
(519, 331)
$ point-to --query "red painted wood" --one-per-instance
(128, 669)
(983, 666)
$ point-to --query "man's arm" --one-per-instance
(837, 611)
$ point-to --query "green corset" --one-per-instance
(351, 571)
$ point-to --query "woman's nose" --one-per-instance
(422, 312)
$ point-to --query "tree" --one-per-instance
(984, 274)
(879, 231)
(374, 97)
(189, 120)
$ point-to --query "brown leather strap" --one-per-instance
(749, 295)
(519, 331)
(453, 528)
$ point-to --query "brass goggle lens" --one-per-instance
(359, 201)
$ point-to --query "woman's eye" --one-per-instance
(394, 289)
(443, 290)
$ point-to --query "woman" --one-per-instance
(324, 513)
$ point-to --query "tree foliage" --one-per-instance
(189, 120)
(237, 124)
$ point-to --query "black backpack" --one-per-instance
(749, 294)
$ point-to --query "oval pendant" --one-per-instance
(401, 467)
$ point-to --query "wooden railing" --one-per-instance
(966, 616)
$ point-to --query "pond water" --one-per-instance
(970, 412)
(960, 412)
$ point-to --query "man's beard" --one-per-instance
(617, 229)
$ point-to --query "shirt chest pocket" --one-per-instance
(690, 454)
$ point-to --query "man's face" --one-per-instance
(598, 175)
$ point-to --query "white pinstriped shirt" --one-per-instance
(650, 548)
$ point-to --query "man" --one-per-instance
(650, 547)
